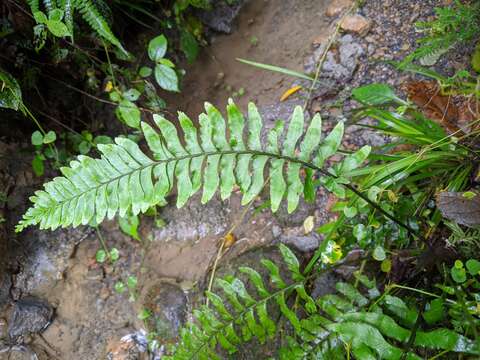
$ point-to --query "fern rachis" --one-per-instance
(124, 178)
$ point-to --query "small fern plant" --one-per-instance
(366, 323)
(58, 17)
(456, 24)
(214, 155)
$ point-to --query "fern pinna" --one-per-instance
(125, 179)
(332, 327)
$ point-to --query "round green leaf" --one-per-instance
(379, 253)
(386, 265)
(458, 264)
(459, 275)
(132, 282)
(115, 96)
(114, 254)
(145, 71)
(120, 287)
(473, 267)
(166, 78)
(55, 15)
(37, 138)
(131, 94)
(359, 232)
(84, 147)
(129, 113)
(50, 137)
(350, 212)
(40, 17)
(157, 47)
(101, 256)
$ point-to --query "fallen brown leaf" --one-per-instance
(426, 95)
(458, 207)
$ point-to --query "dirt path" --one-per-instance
(278, 32)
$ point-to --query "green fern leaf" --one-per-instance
(98, 23)
(125, 179)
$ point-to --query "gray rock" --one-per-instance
(29, 316)
(221, 16)
(301, 243)
(168, 304)
(44, 256)
(342, 66)
(276, 231)
(349, 52)
(192, 222)
(296, 218)
(325, 284)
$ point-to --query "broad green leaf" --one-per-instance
(157, 48)
(145, 71)
(37, 138)
(129, 113)
(55, 15)
(132, 94)
(49, 137)
(375, 94)
(473, 267)
(166, 78)
(57, 28)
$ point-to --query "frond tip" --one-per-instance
(125, 179)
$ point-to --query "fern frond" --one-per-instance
(328, 324)
(246, 317)
(98, 23)
(124, 178)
